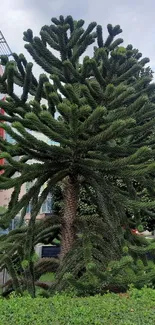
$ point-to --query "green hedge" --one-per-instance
(134, 308)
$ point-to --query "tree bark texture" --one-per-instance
(68, 231)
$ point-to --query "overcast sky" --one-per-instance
(136, 18)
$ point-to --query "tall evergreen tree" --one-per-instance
(104, 135)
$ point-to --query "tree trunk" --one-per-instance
(68, 231)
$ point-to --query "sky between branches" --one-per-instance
(136, 18)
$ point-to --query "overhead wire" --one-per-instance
(4, 47)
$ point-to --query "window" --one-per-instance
(9, 138)
(45, 208)
(47, 205)
(3, 232)
(28, 209)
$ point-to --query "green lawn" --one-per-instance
(134, 308)
(47, 277)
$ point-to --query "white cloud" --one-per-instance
(135, 17)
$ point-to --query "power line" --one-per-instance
(4, 47)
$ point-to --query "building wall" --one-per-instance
(2, 136)
(2, 97)
(6, 194)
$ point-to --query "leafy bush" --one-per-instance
(135, 307)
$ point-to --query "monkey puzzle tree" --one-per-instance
(103, 137)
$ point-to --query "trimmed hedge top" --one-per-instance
(134, 308)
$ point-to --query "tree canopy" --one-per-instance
(103, 137)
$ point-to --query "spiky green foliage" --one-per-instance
(91, 266)
(104, 135)
(117, 277)
(12, 254)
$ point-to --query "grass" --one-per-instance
(134, 308)
(47, 277)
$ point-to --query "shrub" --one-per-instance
(135, 307)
